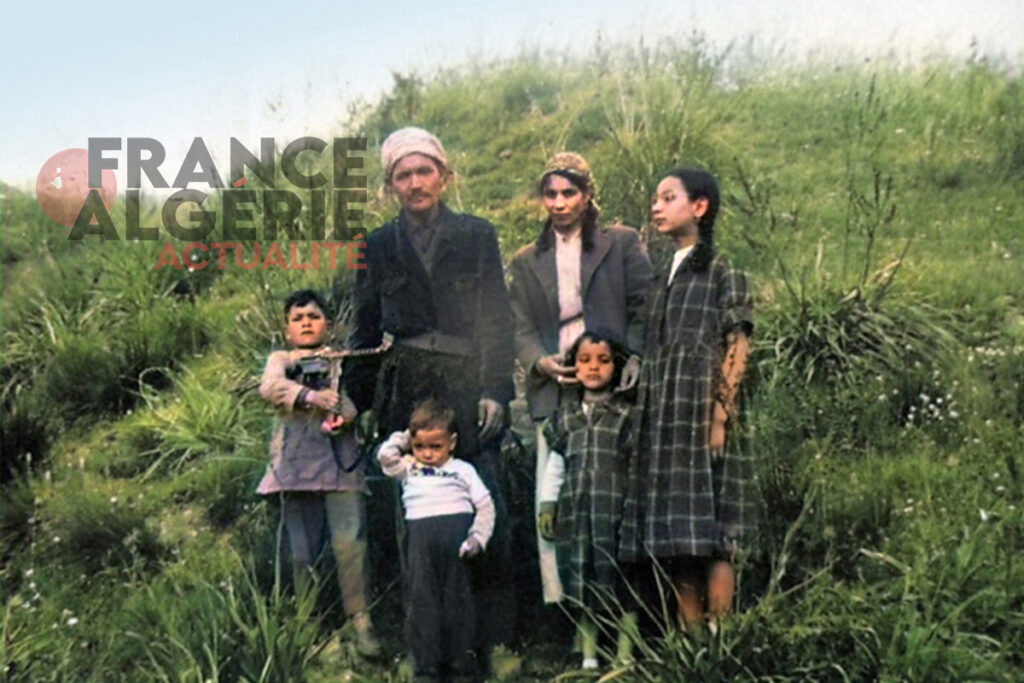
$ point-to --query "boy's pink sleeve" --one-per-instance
(392, 455)
(275, 386)
(483, 504)
(483, 521)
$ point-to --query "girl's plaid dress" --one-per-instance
(679, 501)
(595, 448)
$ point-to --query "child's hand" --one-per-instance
(470, 547)
(716, 439)
(389, 457)
(325, 399)
(716, 442)
(332, 423)
(546, 521)
(391, 452)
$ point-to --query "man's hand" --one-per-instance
(333, 423)
(630, 373)
(366, 427)
(490, 417)
(551, 367)
(546, 521)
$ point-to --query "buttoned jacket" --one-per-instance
(463, 295)
(615, 275)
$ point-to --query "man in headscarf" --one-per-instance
(434, 281)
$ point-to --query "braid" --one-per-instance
(704, 251)
(589, 220)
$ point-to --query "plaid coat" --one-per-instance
(596, 453)
(679, 501)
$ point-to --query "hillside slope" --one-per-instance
(878, 210)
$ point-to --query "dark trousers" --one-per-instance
(492, 573)
(441, 621)
(408, 376)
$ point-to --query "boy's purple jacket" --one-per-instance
(303, 458)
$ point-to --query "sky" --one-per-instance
(175, 71)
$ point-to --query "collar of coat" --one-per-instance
(577, 418)
(445, 224)
(546, 271)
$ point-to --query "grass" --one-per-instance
(877, 209)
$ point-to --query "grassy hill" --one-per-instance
(877, 208)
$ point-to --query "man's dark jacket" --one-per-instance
(463, 296)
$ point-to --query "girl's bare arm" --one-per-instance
(725, 408)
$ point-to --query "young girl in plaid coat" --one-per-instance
(688, 498)
(582, 488)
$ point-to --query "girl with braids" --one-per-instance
(688, 498)
(577, 275)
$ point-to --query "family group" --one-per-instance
(632, 380)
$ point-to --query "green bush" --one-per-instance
(85, 527)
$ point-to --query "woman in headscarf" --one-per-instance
(577, 275)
